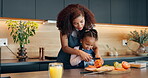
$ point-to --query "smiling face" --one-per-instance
(88, 42)
(79, 22)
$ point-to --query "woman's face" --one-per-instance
(79, 22)
(88, 43)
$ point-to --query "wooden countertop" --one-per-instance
(75, 73)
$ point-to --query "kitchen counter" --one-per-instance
(10, 65)
(8, 62)
(13, 65)
(123, 56)
(75, 73)
(110, 57)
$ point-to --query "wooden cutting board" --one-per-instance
(119, 72)
(108, 71)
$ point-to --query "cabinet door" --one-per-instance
(101, 10)
(138, 12)
(82, 2)
(20, 68)
(0, 8)
(147, 11)
(19, 8)
(48, 9)
(120, 11)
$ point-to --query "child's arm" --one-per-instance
(96, 51)
(75, 59)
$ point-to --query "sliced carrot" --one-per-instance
(120, 69)
(91, 66)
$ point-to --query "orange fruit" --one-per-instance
(125, 65)
(97, 63)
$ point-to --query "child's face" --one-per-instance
(88, 43)
(79, 22)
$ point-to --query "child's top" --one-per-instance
(76, 60)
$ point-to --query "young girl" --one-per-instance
(72, 21)
(88, 40)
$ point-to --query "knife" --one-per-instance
(85, 72)
(94, 72)
(95, 58)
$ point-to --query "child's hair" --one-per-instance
(90, 33)
(68, 14)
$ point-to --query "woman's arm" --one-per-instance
(64, 43)
(96, 51)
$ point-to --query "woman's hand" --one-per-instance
(85, 56)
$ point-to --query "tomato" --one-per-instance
(125, 65)
(97, 63)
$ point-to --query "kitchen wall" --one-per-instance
(47, 36)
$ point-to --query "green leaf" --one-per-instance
(139, 37)
(21, 31)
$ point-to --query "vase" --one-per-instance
(22, 54)
(141, 49)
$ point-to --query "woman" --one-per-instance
(72, 21)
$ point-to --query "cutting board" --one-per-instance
(119, 72)
(109, 71)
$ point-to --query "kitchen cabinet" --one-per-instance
(0, 8)
(48, 9)
(82, 2)
(120, 12)
(138, 12)
(19, 8)
(101, 10)
(147, 11)
(13, 66)
(20, 68)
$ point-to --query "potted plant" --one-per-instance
(139, 37)
(20, 32)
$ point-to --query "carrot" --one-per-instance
(120, 69)
(91, 66)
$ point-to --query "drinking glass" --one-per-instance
(56, 70)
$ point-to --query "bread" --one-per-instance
(105, 68)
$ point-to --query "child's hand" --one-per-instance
(85, 56)
(102, 61)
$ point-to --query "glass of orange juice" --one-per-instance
(56, 70)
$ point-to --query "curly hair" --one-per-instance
(69, 13)
(90, 33)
